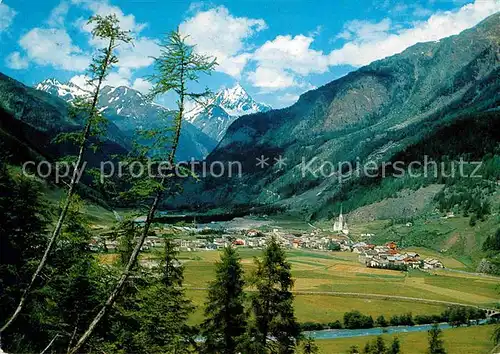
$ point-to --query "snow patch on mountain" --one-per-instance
(216, 115)
(130, 110)
(237, 102)
(67, 91)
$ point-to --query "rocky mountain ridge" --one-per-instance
(130, 110)
(372, 114)
(216, 115)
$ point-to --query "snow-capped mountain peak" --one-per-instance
(237, 102)
(67, 91)
(121, 102)
(228, 104)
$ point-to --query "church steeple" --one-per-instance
(340, 225)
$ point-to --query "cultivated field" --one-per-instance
(327, 284)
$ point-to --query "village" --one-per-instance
(190, 238)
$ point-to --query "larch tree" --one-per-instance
(177, 66)
(273, 327)
(225, 318)
(106, 29)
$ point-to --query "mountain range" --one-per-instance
(31, 119)
(130, 110)
(437, 98)
(380, 112)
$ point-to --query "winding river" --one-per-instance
(346, 333)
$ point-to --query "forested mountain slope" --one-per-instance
(373, 114)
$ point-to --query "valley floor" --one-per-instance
(328, 284)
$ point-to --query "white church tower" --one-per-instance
(341, 225)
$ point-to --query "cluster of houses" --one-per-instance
(257, 239)
(388, 256)
(375, 256)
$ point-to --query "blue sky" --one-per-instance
(275, 49)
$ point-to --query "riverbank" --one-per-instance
(375, 331)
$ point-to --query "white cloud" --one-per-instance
(103, 8)
(139, 54)
(291, 53)
(142, 85)
(58, 14)
(131, 56)
(82, 82)
(15, 61)
(120, 77)
(216, 32)
(271, 79)
(234, 65)
(420, 11)
(288, 98)
(282, 61)
(53, 47)
(7, 15)
(362, 50)
(365, 30)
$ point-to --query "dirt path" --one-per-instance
(373, 296)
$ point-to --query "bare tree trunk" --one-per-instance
(74, 333)
(496, 349)
(121, 282)
(67, 203)
(48, 346)
(135, 253)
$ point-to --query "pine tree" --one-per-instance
(177, 65)
(379, 345)
(381, 321)
(272, 305)
(436, 344)
(72, 286)
(23, 236)
(126, 232)
(395, 346)
(225, 318)
(107, 29)
(173, 271)
(165, 309)
(492, 242)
